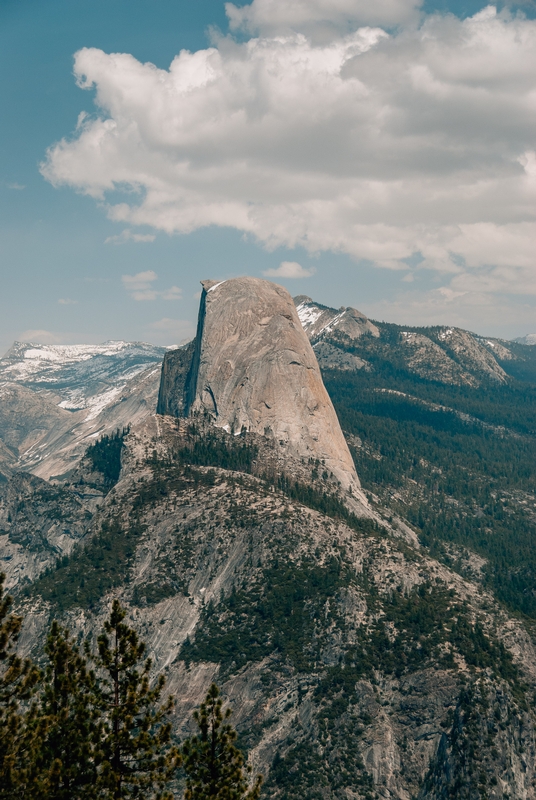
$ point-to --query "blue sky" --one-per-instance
(307, 157)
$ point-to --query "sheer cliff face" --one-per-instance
(254, 368)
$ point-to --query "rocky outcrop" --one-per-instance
(175, 370)
(451, 355)
(8, 460)
(253, 369)
(330, 357)
(498, 347)
(40, 523)
(427, 359)
(471, 354)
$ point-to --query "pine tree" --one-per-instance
(214, 766)
(66, 722)
(18, 679)
(136, 758)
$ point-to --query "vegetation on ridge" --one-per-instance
(105, 456)
(96, 727)
(465, 483)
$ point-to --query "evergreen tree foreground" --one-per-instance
(92, 726)
(213, 764)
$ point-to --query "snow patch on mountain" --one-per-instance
(33, 363)
(85, 391)
(321, 321)
(530, 339)
(308, 314)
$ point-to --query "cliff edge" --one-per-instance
(252, 368)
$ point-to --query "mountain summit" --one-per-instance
(252, 368)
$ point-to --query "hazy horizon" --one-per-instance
(376, 156)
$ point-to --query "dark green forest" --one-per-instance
(457, 462)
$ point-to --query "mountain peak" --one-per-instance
(529, 339)
(253, 369)
(319, 321)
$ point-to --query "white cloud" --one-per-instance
(66, 301)
(289, 269)
(318, 18)
(140, 287)
(17, 186)
(129, 236)
(174, 293)
(141, 280)
(379, 146)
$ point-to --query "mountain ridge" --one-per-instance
(346, 339)
(70, 395)
(353, 662)
(384, 656)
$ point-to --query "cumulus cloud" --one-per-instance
(18, 187)
(140, 287)
(289, 269)
(319, 19)
(140, 282)
(129, 236)
(385, 145)
(174, 293)
(66, 301)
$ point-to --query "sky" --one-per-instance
(377, 155)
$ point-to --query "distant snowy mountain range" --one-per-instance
(530, 338)
(83, 376)
(56, 399)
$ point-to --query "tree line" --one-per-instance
(91, 725)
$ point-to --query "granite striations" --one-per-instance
(253, 370)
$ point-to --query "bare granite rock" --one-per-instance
(40, 522)
(330, 357)
(175, 370)
(253, 369)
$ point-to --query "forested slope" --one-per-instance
(457, 461)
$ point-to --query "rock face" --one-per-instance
(254, 369)
(330, 357)
(175, 369)
(39, 522)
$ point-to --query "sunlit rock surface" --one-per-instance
(254, 369)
